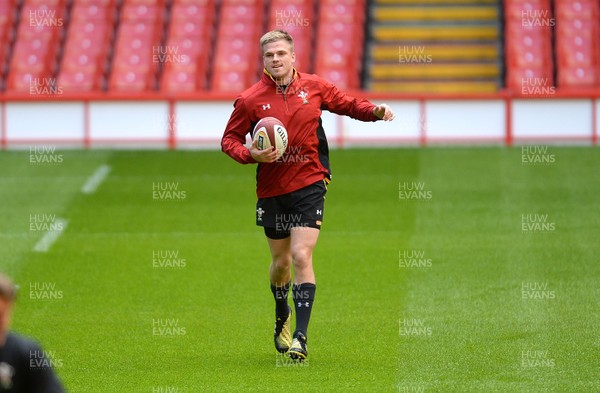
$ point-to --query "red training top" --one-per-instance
(306, 159)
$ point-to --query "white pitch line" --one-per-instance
(44, 244)
(92, 183)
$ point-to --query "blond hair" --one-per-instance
(276, 35)
(8, 290)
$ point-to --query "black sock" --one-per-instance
(280, 293)
(304, 296)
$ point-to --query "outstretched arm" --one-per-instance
(358, 108)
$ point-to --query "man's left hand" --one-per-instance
(384, 112)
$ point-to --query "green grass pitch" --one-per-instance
(438, 270)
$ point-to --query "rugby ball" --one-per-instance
(270, 131)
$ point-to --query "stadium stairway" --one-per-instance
(434, 46)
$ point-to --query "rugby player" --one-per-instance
(291, 190)
(24, 367)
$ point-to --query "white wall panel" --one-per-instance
(552, 118)
(466, 119)
(129, 120)
(44, 120)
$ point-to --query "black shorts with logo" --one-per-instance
(300, 208)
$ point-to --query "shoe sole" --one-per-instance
(297, 355)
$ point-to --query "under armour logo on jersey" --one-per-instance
(319, 212)
(303, 95)
(266, 106)
(305, 304)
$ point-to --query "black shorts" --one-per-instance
(300, 208)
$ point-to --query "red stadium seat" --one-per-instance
(528, 32)
(20, 81)
(188, 45)
(189, 28)
(192, 11)
(341, 77)
(246, 12)
(78, 80)
(130, 80)
(576, 26)
(339, 57)
(186, 77)
(105, 3)
(231, 80)
(571, 9)
(515, 77)
(138, 12)
(159, 3)
(192, 2)
(8, 17)
(135, 63)
(578, 43)
(236, 62)
(87, 45)
(37, 42)
(578, 77)
(339, 12)
(95, 12)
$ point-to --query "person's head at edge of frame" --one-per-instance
(277, 48)
(8, 294)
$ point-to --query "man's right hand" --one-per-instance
(266, 155)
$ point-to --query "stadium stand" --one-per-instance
(189, 44)
(528, 31)
(139, 38)
(90, 34)
(8, 18)
(340, 47)
(434, 46)
(577, 43)
(237, 56)
(296, 17)
(410, 46)
(34, 57)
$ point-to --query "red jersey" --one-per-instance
(299, 106)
